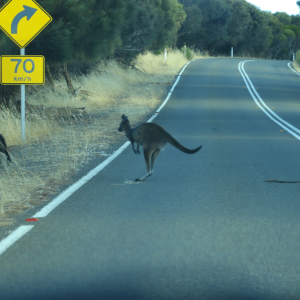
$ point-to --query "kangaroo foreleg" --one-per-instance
(132, 144)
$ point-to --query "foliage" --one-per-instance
(187, 52)
(84, 32)
(88, 31)
(298, 57)
(218, 25)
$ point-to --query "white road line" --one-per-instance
(74, 187)
(22, 230)
(289, 65)
(261, 104)
(13, 237)
(167, 99)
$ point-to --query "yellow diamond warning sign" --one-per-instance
(23, 20)
(22, 69)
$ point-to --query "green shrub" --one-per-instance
(298, 56)
(188, 53)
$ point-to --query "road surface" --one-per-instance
(203, 226)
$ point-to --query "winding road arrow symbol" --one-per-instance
(27, 12)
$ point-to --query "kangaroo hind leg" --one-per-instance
(147, 156)
(153, 158)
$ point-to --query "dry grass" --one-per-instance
(56, 147)
(296, 66)
(37, 128)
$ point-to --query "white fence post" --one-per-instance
(231, 52)
(166, 55)
(22, 52)
(293, 56)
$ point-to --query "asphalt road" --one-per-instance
(203, 226)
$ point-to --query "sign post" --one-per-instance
(166, 51)
(22, 21)
(23, 137)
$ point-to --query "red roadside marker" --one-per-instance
(33, 219)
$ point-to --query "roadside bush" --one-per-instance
(298, 57)
(188, 53)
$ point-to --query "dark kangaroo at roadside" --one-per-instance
(3, 147)
(153, 138)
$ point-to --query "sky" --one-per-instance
(288, 6)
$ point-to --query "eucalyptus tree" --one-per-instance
(70, 18)
(284, 18)
(191, 26)
(172, 16)
(139, 31)
(148, 24)
(81, 31)
(209, 30)
(258, 35)
(238, 26)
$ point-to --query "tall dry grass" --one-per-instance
(54, 150)
(296, 65)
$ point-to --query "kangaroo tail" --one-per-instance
(174, 143)
(3, 147)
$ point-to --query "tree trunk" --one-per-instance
(68, 80)
(49, 77)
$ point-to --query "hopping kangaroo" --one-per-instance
(153, 138)
(3, 147)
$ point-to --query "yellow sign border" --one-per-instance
(20, 56)
(19, 45)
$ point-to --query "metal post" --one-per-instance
(231, 51)
(22, 52)
(166, 55)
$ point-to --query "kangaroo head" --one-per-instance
(124, 124)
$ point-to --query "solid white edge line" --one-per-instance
(293, 69)
(74, 187)
(22, 230)
(261, 107)
(13, 237)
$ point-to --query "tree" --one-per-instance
(148, 24)
(209, 31)
(258, 36)
(190, 27)
(240, 19)
(283, 17)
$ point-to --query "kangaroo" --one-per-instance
(153, 138)
(3, 147)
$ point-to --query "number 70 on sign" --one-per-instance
(27, 70)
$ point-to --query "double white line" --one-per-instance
(261, 104)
